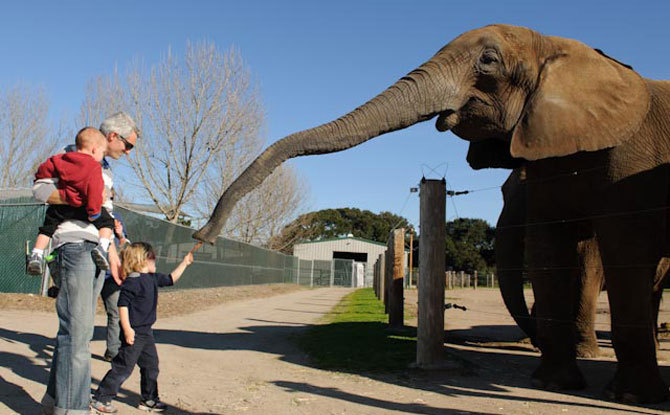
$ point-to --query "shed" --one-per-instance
(361, 251)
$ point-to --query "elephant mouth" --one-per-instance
(447, 120)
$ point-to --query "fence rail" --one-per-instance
(458, 279)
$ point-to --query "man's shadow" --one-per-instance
(17, 398)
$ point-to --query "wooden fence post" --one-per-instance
(475, 286)
(430, 331)
(382, 278)
(397, 274)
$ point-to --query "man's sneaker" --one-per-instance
(103, 408)
(100, 257)
(153, 406)
(109, 356)
(35, 264)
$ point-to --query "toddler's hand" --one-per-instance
(130, 336)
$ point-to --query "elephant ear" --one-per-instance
(491, 153)
(584, 101)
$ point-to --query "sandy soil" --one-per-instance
(238, 357)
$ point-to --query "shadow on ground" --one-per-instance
(492, 369)
(492, 361)
(37, 370)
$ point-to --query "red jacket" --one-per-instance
(79, 179)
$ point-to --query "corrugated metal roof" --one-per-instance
(341, 239)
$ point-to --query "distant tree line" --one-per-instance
(468, 245)
(332, 223)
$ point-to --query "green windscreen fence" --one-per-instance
(20, 217)
(226, 263)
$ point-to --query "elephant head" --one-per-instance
(512, 92)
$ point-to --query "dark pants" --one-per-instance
(57, 214)
(143, 353)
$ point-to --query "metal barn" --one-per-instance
(361, 251)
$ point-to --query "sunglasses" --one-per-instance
(129, 146)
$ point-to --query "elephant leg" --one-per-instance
(554, 272)
(662, 271)
(590, 284)
(629, 277)
(509, 252)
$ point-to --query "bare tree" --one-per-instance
(27, 136)
(263, 213)
(201, 119)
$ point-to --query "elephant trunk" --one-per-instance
(511, 288)
(419, 96)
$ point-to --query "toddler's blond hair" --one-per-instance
(135, 256)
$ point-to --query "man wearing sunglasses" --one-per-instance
(69, 387)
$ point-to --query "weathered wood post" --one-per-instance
(411, 254)
(388, 269)
(382, 278)
(430, 331)
(375, 281)
(397, 274)
(475, 286)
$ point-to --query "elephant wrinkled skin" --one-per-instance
(594, 138)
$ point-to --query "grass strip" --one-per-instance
(355, 337)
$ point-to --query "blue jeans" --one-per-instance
(69, 384)
(110, 296)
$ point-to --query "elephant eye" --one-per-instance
(488, 57)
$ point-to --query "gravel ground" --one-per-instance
(238, 357)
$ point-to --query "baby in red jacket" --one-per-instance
(81, 186)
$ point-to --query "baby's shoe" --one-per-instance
(103, 408)
(35, 264)
(100, 257)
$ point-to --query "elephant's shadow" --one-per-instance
(484, 369)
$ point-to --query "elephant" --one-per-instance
(509, 257)
(594, 138)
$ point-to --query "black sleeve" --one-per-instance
(164, 280)
(127, 294)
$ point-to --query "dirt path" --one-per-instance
(238, 358)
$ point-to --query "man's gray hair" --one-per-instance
(120, 123)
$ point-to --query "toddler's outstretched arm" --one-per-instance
(176, 274)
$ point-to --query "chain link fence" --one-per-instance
(226, 263)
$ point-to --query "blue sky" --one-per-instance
(316, 60)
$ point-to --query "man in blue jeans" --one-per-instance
(69, 388)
